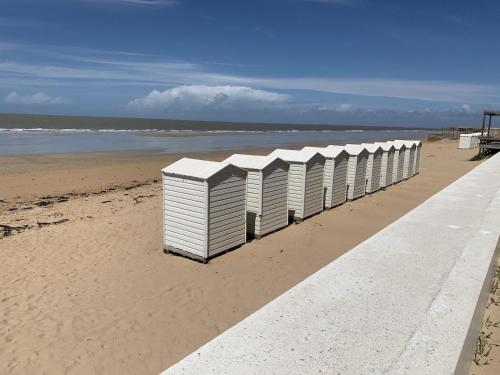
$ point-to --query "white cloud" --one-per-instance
(344, 108)
(125, 68)
(200, 97)
(392, 88)
(466, 108)
(38, 98)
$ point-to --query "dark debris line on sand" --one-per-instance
(9, 230)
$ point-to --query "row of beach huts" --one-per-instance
(211, 207)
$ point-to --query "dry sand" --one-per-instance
(86, 288)
(487, 358)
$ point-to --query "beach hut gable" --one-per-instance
(339, 183)
(313, 198)
(335, 174)
(414, 167)
(185, 217)
(373, 166)
(227, 211)
(267, 181)
(387, 163)
(296, 187)
(305, 190)
(398, 166)
(274, 206)
(356, 171)
(204, 207)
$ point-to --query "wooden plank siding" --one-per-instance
(339, 183)
(184, 214)
(254, 194)
(397, 173)
(408, 162)
(227, 210)
(411, 164)
(313, 194)
(373, 167)
(417, 159)
(356, 175)
(296, 184)
(328, 181)
(386, 168)
(274, 198)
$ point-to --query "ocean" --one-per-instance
(25, 135)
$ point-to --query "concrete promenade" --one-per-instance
(409, 300)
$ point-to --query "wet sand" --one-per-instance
(86, 288)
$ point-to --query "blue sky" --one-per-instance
(420, 63)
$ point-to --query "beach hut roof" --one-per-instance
(321, 150)
(397, 144)
(336, 150)
(386, 146)
(406, 142)
(196, 168)
(354, 149)
(327, 152)
(302, 156)
(250, 161)
(371, 147)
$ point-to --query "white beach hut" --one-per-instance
(373, 167)
(399, 158)
(465, 141)
(204, 208)
(356, 171)
(267, 182)
(387, 163)
(335, 174)
(305, 182)
(409, 160)
(470, 140)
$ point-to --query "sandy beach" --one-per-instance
(87, 289)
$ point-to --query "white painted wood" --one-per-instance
(356, 171)
(373, 167)
(274, 198)
(313, 201)
(227, 197)
(409, 157)
(387, 163)
(468, 140)
(204, 207)
(339, 184)
(177, 220)
(296, 181)
(417, 158)
(335, 174)
(398, 167)
(305, 182)
(267, 182)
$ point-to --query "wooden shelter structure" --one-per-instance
(488, 142)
